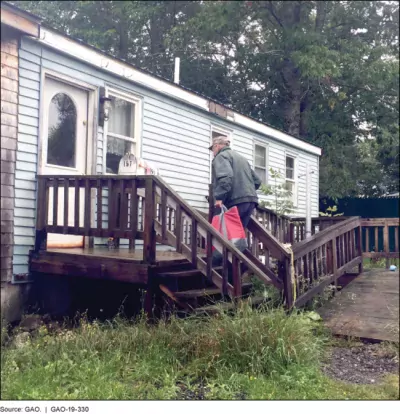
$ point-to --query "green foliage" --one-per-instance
(329, 212)
(379, 263)
(254, 354)
(270, 292)
(327, 72)
(281, 194)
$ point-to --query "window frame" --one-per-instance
(265, 146)
(137, 101)
(293, 180)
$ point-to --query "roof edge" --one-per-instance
(82, 51)
(187, 95)
(20, 12)
(19, 20)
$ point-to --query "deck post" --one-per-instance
(360, 249)
(285, 276)
(210, 204)
(41, 215)
(334, 260)
(386, 243)
(291, 233)
(149, 237)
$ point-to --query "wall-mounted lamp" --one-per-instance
(104, 107)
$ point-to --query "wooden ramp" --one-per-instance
(366, 308)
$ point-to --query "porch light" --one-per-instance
(104, 109)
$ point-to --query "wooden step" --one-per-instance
(181, 273)
(196, 293)
(227, 306)
(174, 268)
(172, 296)
(186, 273)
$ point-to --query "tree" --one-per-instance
(326, 72)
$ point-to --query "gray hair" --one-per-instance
(220, 140)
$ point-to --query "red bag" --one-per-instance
(228, 223)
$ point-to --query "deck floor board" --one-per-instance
(366, 308)
(120, 253)
(119, 264)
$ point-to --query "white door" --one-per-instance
(64, 149)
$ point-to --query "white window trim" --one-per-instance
(91, 144)
(125, 138)
(220, 130)
(294, 180)
(264, 145)
(137, 140)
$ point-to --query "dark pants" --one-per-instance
(245, 211)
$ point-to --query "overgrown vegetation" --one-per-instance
(330, 211)
(253, 354)
(379, 263)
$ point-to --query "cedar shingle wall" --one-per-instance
(9, 115)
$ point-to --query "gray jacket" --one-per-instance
(233, 180)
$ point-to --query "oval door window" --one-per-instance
(61, 147)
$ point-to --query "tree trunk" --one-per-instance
(305, 101)
(123, 43)
(304, 113)
(291, 78)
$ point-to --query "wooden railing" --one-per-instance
(92, 206)
(321, 259)
(146, 208)
(278, 225)
(380, 238)
(203, 234)
(292, 229)
(298, 226)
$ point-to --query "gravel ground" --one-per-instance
(361, 364)
(198, 393)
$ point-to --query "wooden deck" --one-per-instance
(121, 264)
(367, 308)
(162, 257)
(146, 208)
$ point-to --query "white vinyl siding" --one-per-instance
(174, 136)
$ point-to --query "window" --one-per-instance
(122, 130)
(61, 147)
(290, 178)
(260, 162)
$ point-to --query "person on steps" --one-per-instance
(234, 183)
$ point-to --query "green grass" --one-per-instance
(256, 354)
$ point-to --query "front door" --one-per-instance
(64, 148)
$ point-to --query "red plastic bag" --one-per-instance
(228, 223)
